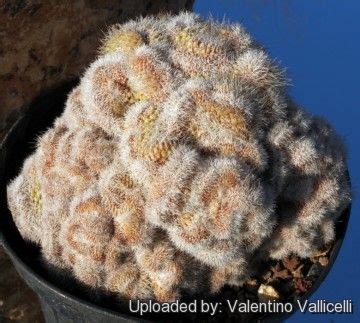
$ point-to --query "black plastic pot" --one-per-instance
(66, 301)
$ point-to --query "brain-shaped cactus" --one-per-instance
(177, 160)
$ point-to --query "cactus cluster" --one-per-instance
(179, 160)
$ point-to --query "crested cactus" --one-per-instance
(177, 160)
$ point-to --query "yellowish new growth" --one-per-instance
(35, 195)
(127, 39)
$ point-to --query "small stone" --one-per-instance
(315, 270)
(280, 273)
(252, 282)
(16, 314)
(302, 285)
(291, 263)
(298, 272)
(324, 261)
(267, 275)
(267, 292)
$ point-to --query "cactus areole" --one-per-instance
(177, 162)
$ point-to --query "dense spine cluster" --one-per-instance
(177, 160)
